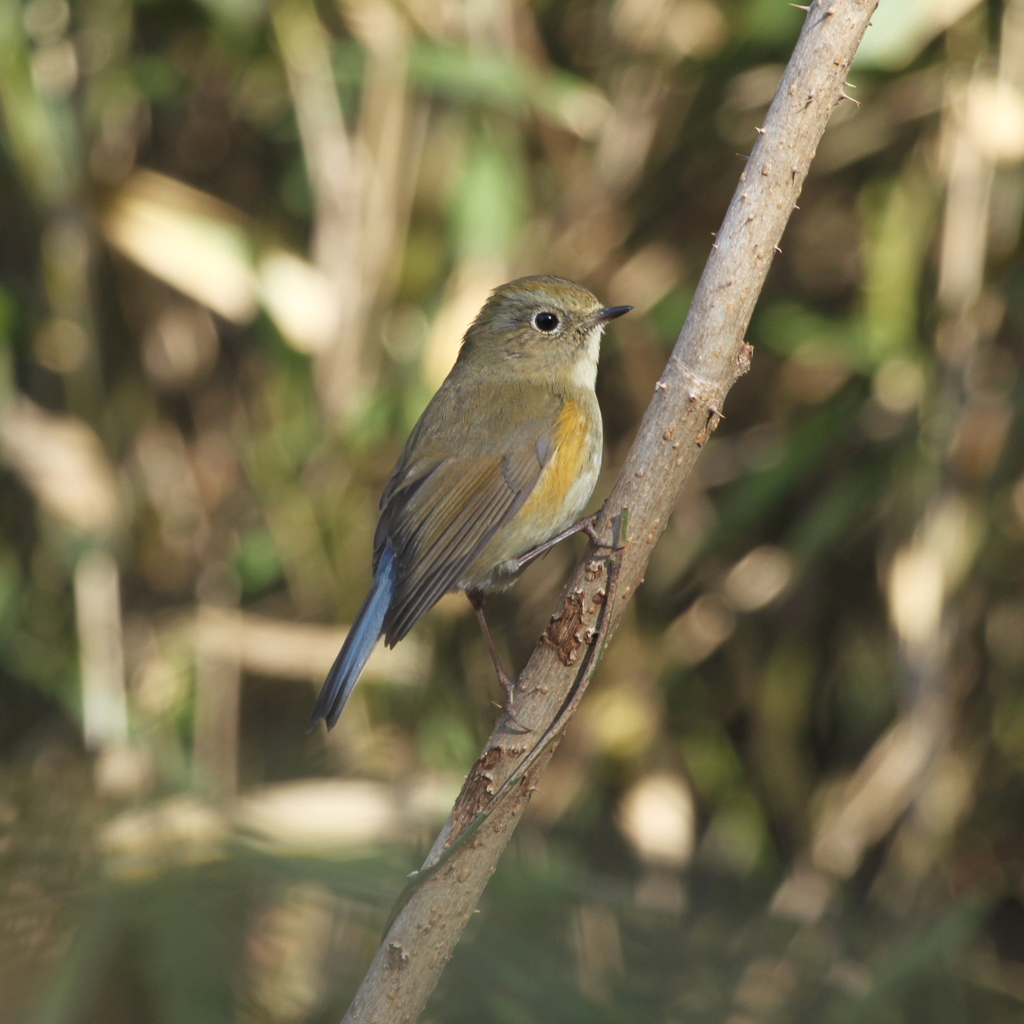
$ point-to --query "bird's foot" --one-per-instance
(508, 684)
(508, 706)
(587, 526)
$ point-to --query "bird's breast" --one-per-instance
(567, 480)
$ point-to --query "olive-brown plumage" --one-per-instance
(504, 457)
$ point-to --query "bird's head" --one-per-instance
(541, 323)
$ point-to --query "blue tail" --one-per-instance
(358, 645)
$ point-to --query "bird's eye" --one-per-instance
(546, 322)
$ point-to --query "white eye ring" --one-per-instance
(546, 321)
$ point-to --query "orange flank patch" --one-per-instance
(548, 500)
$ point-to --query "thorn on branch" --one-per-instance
(714, 416)
(843, 96)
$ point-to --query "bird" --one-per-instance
(498, 468)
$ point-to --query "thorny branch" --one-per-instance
(709, 356)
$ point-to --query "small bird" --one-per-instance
(498, 469)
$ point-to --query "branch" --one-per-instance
(708, 358)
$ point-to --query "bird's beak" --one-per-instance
(602, 316)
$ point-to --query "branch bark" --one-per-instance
(708, 357)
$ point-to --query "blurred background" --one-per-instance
(239, 242)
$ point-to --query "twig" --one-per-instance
(708, 357)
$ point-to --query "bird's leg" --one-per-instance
(476, 599)
(585, 525)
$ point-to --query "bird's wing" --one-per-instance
(440, 510)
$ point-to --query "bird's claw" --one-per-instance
(587, 527)
(508, 685)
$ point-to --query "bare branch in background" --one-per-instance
(361, 179)
(101, 651)
(709, 356)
